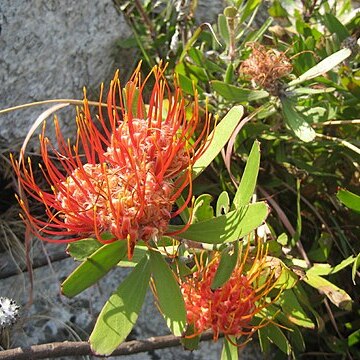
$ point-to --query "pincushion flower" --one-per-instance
(126, 169)
(231, 308)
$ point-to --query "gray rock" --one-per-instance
(50, 50)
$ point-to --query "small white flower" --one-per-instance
(9, 312)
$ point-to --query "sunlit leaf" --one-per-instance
(223, 28)
(327, 269)
(94, 268)
(354, 338)
(248, 180)
(311, 91)
(226, 228)
(228, 261)
(120, 312)
(218, 139)
(248, 9)
(81, 249)
(297, 121)
(229, 351)
(349, 199)
(202, 208)
(323, 66)
(286, 278)
(223, 204)
(336, 295)
(168, 294)
(139, 252)
(355, 266)
(294, 311)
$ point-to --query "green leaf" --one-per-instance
(335, 26)
(226, 228)
(188, 85)
(202, 208)
(218, 138)
(81, 249)
(168, 294)
(255, 36)
(323, 66)
(336, 295)
(327, 269)
(233, 93)
(228, 261)
(229, 75)
(294, 311)
(139, 252)
(310, 91)
(223, 204)
(277, 10)
(94, 268)
(354, 338)
(264, 341)
(287, 278)
(297, 121)
(223, 28)
(248, 180)
(294, 335)
(120, 312)
(229, 351)
(276, 336)
(248, 9)
(355, 267)
(282, 239)
(349, 199)
(189, 341)
(296, 339)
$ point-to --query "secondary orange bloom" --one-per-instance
(125, 170)
(231, 308)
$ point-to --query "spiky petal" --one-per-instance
(231, 308)
(125, 170)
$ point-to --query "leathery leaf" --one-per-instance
(228, 260)
(168, 294)
(226, 228)
(94, 268)
(119, 314)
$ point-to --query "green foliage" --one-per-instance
(97, 265)
(229, 351)
(168, 294)
(306, 122)
(226, 228)
(121, 311)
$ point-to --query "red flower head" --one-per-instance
(231, 308)
(126, 169)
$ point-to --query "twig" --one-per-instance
(337, 122)
(78, 348)
(51, 101)
(340, 141)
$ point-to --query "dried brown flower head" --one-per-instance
(266, 67)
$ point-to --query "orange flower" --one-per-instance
(126, 169)
(231, 308)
